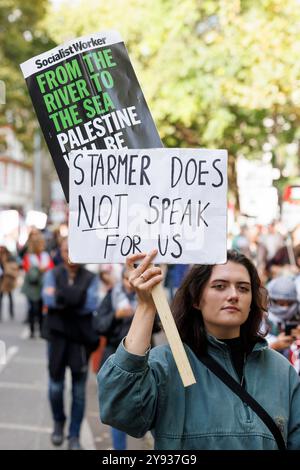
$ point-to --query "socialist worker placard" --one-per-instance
(86, 96)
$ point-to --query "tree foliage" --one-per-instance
(21, 37)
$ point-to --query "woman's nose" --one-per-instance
(233, 293)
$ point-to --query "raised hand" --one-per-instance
(144, 277)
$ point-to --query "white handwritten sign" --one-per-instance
(129, 201)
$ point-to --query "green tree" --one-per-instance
(21, 37)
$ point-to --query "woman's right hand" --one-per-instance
(144, 277)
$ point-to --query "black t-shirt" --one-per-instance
(237, 353)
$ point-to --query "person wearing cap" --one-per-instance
(283, 319)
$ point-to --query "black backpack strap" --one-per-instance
(221, 373)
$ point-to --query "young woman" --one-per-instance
(218, 310)
(35, 263)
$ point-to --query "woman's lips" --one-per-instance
(231, 308)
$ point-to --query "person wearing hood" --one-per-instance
(283, 321)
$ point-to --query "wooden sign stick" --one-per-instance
(168, 323)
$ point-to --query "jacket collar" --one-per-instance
(216, 344)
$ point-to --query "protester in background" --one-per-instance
(174, 275)
(70, 294)
(23, 250)
(241, 242)
(272, 240)
(9, 271)
(283, 319)
(35, 263)
(284, 261)
(297, 276)
(107, 278)
(258, 251)
(33, 233)
(54, 247)
(218, 310)
(115, 315)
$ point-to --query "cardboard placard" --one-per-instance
(86, 96)
(129, 201)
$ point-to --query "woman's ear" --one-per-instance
(196, 307)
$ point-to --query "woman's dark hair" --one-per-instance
(189, 320)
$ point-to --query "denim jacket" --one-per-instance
(141, 393)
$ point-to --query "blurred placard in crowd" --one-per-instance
(258, 198)
(58, 207)
(9, 228)
(36, 219)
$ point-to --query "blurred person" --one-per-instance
(36, 262)
(297, 256)
(33, 233)
(70, 295)
(218, 310)
(284, 260)
(9, 271)
(297, 275)
(115, 315)
(295, 234)
(174, 275)
(107, 278)
(272, 240)
(283, 320)
(258, 251)
(107, 281)
(241, 242)
(23, 249)
(54, 247)
(48, 237)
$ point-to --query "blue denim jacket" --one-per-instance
(141, 393)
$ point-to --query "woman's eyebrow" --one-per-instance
(226, 280)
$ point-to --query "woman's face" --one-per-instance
(226, 300)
